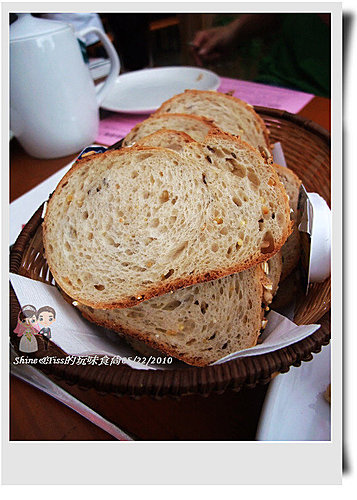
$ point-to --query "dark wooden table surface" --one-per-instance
(36, 416)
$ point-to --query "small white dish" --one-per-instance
(145, 90)
(295, 408)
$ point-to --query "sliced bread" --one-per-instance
(226, 112)
(229, 311)
(195, 126)
(125, 226)
(291, 250)
(167, 138)
(198, 324)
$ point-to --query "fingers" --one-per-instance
(207, 45)
(200, 38)
(197, 44)
(205, 41)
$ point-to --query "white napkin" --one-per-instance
(78, 337)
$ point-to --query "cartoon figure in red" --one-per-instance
(26, 328)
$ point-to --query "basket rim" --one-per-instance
(302, 122)
(246, 371)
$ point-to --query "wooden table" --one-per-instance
(36, 416)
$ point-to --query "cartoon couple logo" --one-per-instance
(32, 322)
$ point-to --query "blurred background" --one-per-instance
(288, 50)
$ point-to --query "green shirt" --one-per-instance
(299, 56)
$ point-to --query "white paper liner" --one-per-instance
(78, 337)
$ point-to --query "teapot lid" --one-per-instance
(27, 26)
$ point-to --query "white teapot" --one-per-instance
(54, 105)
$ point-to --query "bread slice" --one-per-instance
(167, 138)
(198, 324)
(226, 112)
(196, 127)
(164, 324)
(270, 282)
(265, 281)
(291, 250)
(125, 226)
(160, 314)
(178, 141)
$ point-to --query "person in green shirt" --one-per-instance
(296, 48)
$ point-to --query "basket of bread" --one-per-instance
(179, 239)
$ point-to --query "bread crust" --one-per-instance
(247, 106)
(187, 139)
(200, 119)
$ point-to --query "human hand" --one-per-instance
(210, 44)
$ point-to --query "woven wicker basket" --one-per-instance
(307, 151)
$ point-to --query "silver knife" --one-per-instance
(37, 379)
(305, 228)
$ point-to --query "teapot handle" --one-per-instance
(113, 57)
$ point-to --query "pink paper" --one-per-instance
(116, 126)
(258, 94)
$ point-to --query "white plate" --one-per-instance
(144, 91)
(295, 408)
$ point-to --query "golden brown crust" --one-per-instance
(291, 253)
(185, 137)
(247, 106)
(200, 119)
